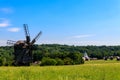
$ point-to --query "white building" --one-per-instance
(86, 57)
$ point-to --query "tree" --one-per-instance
(48, 61)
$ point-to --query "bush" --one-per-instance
(76, 57)
(59, 61)
(68, 61)
(1, 62)
(48, 61)
(82, 61)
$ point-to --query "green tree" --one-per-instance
(48, 61)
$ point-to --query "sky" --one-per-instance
(71, 22)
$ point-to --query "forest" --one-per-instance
(56, 54)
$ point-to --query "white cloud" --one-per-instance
(83, 36)
(81, 43)
(4, 22)
(3, 42)
(97, 43)
(14, 29)
(6, 10)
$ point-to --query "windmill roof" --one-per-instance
(20, 41)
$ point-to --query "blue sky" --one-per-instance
(72, 22)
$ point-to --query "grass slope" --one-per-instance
(91, 70)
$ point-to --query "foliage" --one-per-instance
(68, 61)
(76, 57)
(6, 56)
(59, 61)
(48, 61)
(1, 62)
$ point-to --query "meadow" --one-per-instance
(91, 70)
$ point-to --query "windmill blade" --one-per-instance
(10, 42)
(36, 38)
(27, 34)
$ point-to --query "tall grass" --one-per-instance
(92, 70)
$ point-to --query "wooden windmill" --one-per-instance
(23, 49)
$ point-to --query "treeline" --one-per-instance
(93, 51)
(6, 56)
(55, 54)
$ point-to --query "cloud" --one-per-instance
(14, 29)
(96, 43)
(81, 43)
(3, 42)
(83, 36)
(6, 10)
(4, 22)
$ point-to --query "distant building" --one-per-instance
(86, 57)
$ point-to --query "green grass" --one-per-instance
(91, 70)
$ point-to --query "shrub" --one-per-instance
(1, 62)
(59, 61)
(68, 61)
(48, 61)
(76, 57)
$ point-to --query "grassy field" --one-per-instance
(91, 70)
